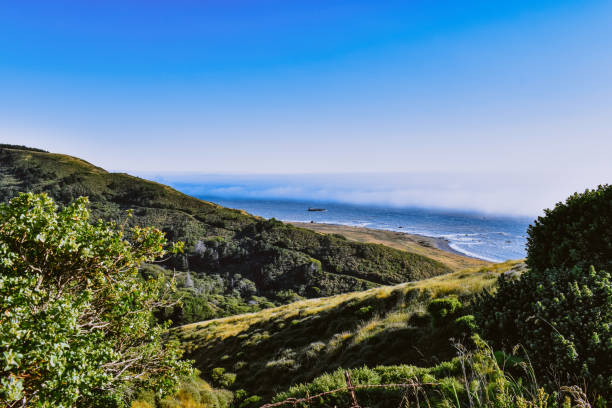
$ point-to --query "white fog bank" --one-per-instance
(509, 194)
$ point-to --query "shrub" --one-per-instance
(364, 311)
(221, 378)
(252, 401)
(240, 394)
(444, 310)
(75, 323)
(563, 319)
(576, 232)
(466, 324)
(146, 398)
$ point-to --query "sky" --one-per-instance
(518, 93)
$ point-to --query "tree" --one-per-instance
(561, 309)
(246, 288)
(576, 232)
(562, 317)
(75, 316)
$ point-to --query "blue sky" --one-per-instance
(446, 87)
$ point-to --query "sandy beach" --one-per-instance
(435, 248)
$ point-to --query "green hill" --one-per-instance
(275, 348)
(238, 262)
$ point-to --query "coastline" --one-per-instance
(432, 247)
(443, 244)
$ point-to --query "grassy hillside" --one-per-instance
(275, 348)
(247, 260)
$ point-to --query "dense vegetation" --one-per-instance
(251, 262)
(21, 147)
(409, 323)
(561, 310)
(76, 327)
(193, 393)
(558, 315)
(577, 232)
(562, 317)
(477, 378)
(81, 302)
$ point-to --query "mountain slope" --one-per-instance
(275, 348)
(281, 261)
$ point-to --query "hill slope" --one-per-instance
(275, 348)
(418, 244)
(246, 255)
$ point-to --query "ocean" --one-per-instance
(371, 201)
(493, 238)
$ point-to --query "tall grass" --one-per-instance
(476, 378)
(386, 325)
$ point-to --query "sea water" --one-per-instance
(287, 198)
(493, 238)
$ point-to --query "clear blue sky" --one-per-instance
(313, 86)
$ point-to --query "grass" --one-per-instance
(274, 348)
(281, 260)
(475, 378)
(471, 280)
(193, 393)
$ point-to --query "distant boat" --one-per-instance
(316, 209)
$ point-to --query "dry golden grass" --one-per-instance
(309, 336)
(468, 281)
(458, 283)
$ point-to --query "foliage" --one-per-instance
(444, 310)
(577, 232)
(201, 297)
(561, 310)
(563, 319)
(193, 393)
(21, 147)
(473, 379)
(467, 324)
(75, 321)
(221, 378)
(251, 401)
(270, 257)
(274, 348)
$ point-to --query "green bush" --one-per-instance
(240, 394)
(444, 310)
(561, 310)
(563, 319)
(193, 393)
(221, 378)
(466, 324)
(364, 311)
(576, 232)
(252, 401)
(75, 325)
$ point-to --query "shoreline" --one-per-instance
(443, 244)
(433, 247)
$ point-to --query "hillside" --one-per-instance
(245, 261)
(275, 348)
(418, 244)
